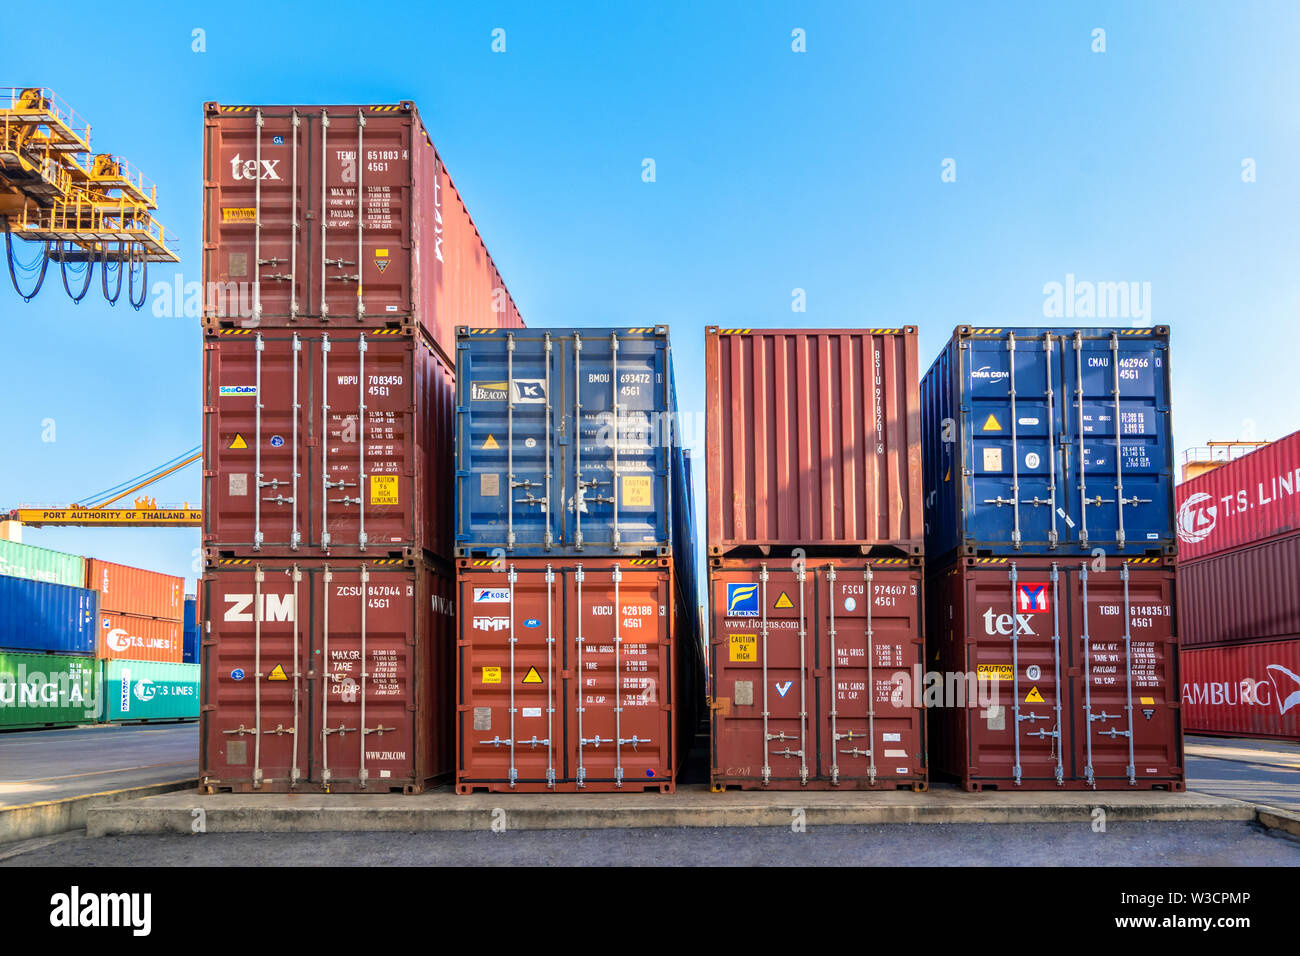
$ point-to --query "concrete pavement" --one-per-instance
(1263, 772)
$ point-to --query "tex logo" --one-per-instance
(742, 600)
(1032, 598)
(491, 595)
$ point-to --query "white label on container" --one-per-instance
(896, 753)
(893, 738)
(900, 770)
(1027, 421)
(992, 459)
(532, 711)
(1032, 460)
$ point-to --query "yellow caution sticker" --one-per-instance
(744, 648)
(278, 674)
(383, 490)
(532, 677)
(381, 253)
(994, 671)
(638, 491)
(784, 601)
(491, 675)
(1034, 697)
(1148, 701)
(238, 214)
(238, 442)
(491, 443)
(991, 424)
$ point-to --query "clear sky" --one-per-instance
(775, 170)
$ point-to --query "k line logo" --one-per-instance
(742, 600)
(1032, 598)
(275, 607)
(491, 624)
(528, 391)
(1196, 518)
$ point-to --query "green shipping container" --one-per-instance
(48, 690)
(42, 564)
(150, 690)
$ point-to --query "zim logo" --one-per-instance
(1032, 598)
(1196, 518)
(742, 600)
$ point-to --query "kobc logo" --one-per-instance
(275, 607)
(1196, 518)
(491, 595)
(248, 169)
(1032, 598)
(1002, 623)
(491, 624)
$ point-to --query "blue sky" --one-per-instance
(775, 170)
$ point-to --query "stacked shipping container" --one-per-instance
(1239, 594)
(580, 659)
(338, 259)
(814, 543)
(1049, 540)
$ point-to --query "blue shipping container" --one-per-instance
(190, 646)
(538, 471)
(1048, 441)
(44, 617)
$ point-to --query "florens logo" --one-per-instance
(742, 600)
(1196, 518)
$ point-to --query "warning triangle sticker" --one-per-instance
(239, 441)
(991, 424)
(278, 673)
(947, 475)
(784, 600)
(1034, 697)
(532, 677)
(491, 443)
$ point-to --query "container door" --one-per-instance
(1012, 464)
(619, 624)
(1116, 439)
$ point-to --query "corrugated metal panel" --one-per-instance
(1048, 714)
(35, 616)
(813, 438)
(48, 690)
(330, 240)
(42, 564)
(127, 637)
(805, 665)
(1252, 499)
(1251, 593)
(1246, 690)
(537, 468)
(303, 431)
(127, 590)
(150, 690)
(1037, 472)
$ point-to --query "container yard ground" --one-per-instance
(1264, 772)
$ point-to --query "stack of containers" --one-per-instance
(580, 659)
(815, 558)
(338, 257)
(1239, 595)
(49, 676)
(141, 643)
(1049, 550)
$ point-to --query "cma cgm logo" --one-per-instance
(742, 600)
(1196, 518)
(491, 624)
(275, 607)
(987, 373)
(1032, 598)
(248, 169)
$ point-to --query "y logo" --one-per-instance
(783, 689)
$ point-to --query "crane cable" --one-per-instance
(25, 269)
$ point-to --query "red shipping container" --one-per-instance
(814, 437)
(1067, 703)
(1252, 499)
(1251, 593)
(1245, 690)
(326, 677)
(574, 677)
(127, 590)
(326, 239)
(320, 443)
(811, 666)
(124, 637)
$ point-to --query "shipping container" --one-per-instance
(190, 637)
(538, 467)
(48, 690)
(127, 590)
(811, 665)
(297, 231)
(814, 438)
(1251, 593)
(325, 444)
(1252, 499)
(145, 691)
(125, 637)
(49, 618)
(1243, 690)
(333, 677)
(1021, 429)
(574, 676)
(1050, 675)
(42, 564)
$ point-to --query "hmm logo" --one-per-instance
(131, 910)
(742, 600)
(1032, 598)
(491, 624)
(1196, 518)
(487, 391)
